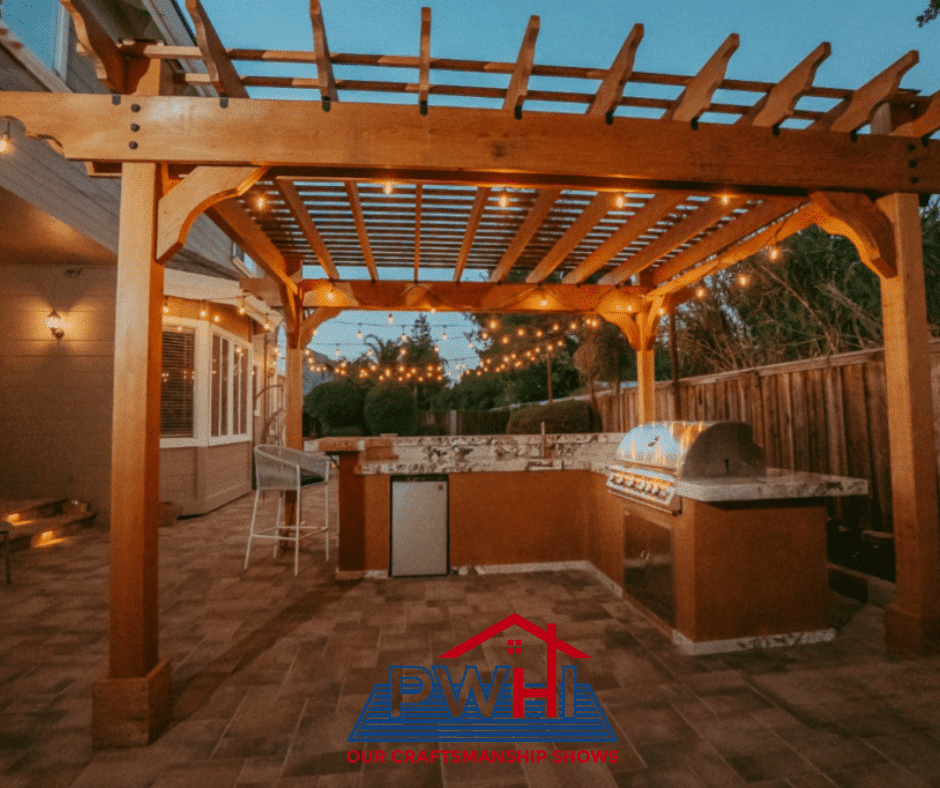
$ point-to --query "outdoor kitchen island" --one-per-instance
(518, 502)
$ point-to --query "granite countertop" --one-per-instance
(778, 483)
(408, 456)
(493, 453)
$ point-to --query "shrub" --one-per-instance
(391, 407)
(336, 404)
(559, 417)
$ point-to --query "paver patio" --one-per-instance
(271, 671)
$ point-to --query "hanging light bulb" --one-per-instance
(744, 280)
(203, 310)
(359, 332)
(493, 325)
(503, 200)
(241, 306)
(391, 319)
(700, 292)
(444, 335)
(388, 187)
(773, 253)
(619, 201)
(404, 336)
(166, 306)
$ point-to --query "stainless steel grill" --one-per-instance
(652, 457)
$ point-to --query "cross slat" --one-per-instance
(222, 74)
(696, 97)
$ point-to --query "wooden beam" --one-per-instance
(418, 194)
(739, 227)
(695, 99)
(321, 51)
(772, 234)
(912, 621)
(699, 220)
(861, 221)
(855, 112)
(111, 65)
(476, 214)
(388, 296)
(135, 462)
(199, 190)
(519, 82)
(462, 145)
(222, 73)
(424, 69)
(355, 205)
(637, 224)
(307, 226)
(780, 101)
(596, 210)
(238, 224)
(313, 321)
(543, 204)
(925, 123)
(611, 88)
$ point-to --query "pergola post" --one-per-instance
(132, 704)
(646, 384)
(641, 334)
(912, 621)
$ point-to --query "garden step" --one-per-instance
(36, 522)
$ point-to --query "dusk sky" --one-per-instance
(680, 36)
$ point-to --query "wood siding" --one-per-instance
(199, 479)
(55, 395)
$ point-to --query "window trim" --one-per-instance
(202, 388)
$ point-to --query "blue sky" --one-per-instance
(680, 36)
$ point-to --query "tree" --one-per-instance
(930, 13)
(817, 299)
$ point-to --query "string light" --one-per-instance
(203, 311)
(503, 200)
(391, 320)
(744, 280)
(700, 292)
(620, 201)
(241, 306)
(773, 253)
(388, 187)
(166, 306)
(359, 332)
(444, 335)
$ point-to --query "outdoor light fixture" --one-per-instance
(6, 143)
(54, 324)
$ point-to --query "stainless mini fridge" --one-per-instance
(419, 526)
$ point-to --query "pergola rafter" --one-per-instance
(491, 190)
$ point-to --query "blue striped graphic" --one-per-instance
(431, 720)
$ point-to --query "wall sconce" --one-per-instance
(6, 142)
(54, 324)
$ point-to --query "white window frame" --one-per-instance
(202, 386)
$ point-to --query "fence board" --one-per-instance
(800, 424)
(876, 407)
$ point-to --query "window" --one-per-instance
(206, 398)
(229, 388)
(178, 389)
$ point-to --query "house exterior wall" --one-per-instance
(55, 395)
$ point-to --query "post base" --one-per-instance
(131, 712)
(910, 636)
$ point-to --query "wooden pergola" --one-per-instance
(460, 197)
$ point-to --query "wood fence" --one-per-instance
(825, 415)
